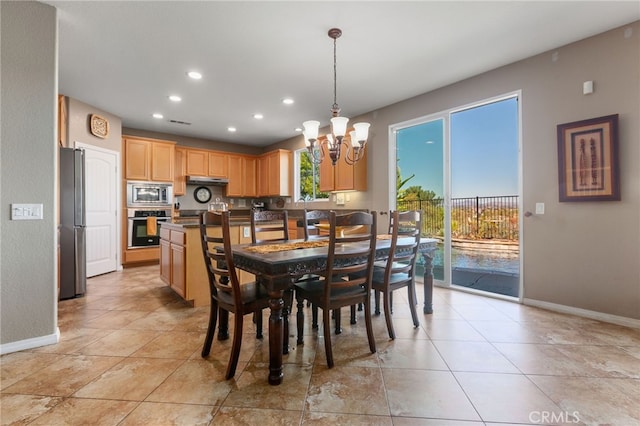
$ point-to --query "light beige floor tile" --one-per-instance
(171, 344)
(594, 400)
(115, 319)
(315, 418)
(195, 382)
(409, 353)
(158, 321)
(65, 376)
(74, 411)
(154, 413)
(251, 388)
(132, 379)
(427, 393)
(481, 313)
(474, 356)
(333, 391)
(505, 397)
(256, 417)
(507, 332)
(119, 343)
(446, 329)
(20, 409)
(413, 421)
(348, 350)
(18, 365)
(72, 340)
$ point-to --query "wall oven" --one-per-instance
(149, 194)
(142, 226)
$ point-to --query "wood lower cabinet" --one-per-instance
(182, 264)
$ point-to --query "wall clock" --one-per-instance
(202, 194)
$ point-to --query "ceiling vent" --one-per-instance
(180, 122)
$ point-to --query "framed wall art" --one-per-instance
(588, 160)
(99, 126)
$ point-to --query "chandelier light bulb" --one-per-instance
(311, 129)
(362, 131)
(339, 126)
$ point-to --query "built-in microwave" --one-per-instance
(149, 194)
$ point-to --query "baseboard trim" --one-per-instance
(600, 316)
(34, 342)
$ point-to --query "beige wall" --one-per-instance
(78, 126)
(28, 167)
(579, 255)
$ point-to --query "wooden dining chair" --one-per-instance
(311, 218)
(348, 254)
(269, 225)
(399, 269)
(227, 294)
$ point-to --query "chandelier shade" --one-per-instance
(333, 141)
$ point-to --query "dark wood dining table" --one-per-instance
(279, 269)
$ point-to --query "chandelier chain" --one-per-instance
(335, 109)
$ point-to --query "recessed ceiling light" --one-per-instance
(158, 115)
(175, 98)
(231, 129)
(194, 75)
(298, 129)
(287, 101)
(258, 116)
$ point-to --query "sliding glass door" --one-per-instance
(461, 169)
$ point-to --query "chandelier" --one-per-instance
(332, 142)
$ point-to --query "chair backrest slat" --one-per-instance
(215, 237)
(269, 221)
(312, 217)
(405, 238)
(350, 255)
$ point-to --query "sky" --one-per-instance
(484, 152)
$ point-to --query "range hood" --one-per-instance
(206, 180)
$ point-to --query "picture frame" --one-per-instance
(588, 160)
(99, 126)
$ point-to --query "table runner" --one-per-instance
(272, 248)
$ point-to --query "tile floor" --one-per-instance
(130, 355)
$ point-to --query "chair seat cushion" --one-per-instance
(250, 292)
(314, 289)
(378, 278)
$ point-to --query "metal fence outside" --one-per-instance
(473, 218)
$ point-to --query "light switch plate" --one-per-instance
(340, 199)
(245, 232)
(539, 208)
(26, 211)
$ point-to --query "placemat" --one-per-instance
(272, 248)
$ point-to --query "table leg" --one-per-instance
(428, 282)
(276, 305)
(223, 324)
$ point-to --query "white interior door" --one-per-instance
(101, 177)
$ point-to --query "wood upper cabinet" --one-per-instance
(179, 175)
(218, 165)
(197, 162)
(148, 159)
(242, 176)
(342, 176)
(274, 173)
(162, 161)
(201, 162)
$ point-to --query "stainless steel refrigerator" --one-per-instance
(73, 257)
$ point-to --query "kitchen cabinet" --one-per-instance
(343, 176)
(148, 159)
(182, 265)
(218, 166)
(179, 175)
(242, 176)
(197, 162)
(202, 162)
(274, 173)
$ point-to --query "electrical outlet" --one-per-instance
(245, 232)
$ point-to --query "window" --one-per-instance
(307, 178)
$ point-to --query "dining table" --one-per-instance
(280, 263)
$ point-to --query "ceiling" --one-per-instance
(126, 58)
